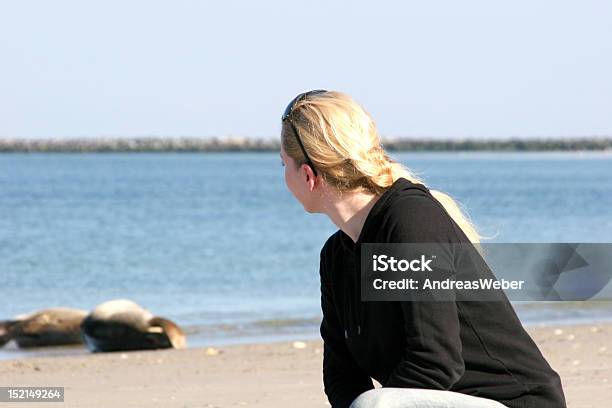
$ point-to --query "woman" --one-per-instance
(424, 354)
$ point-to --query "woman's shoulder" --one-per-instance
(422, 207)
(417, 217)
(333, 245)
(406, 197)
(329, 253)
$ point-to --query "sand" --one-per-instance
(284, 374)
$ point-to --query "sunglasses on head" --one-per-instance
(286, 115)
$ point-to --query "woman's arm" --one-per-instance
(343, 379)
(432, 357)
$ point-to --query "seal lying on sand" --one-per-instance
(121, 325)
(48, 327)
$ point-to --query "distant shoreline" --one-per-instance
(194, 145)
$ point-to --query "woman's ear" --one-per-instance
(310, 177)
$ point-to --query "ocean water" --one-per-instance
(217, 243)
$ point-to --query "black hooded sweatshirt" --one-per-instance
(471, 347)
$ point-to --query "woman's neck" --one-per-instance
(350, 210)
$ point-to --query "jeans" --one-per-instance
(389, 397)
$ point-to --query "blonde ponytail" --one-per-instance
(342, 142)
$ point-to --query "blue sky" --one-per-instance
(196, 68)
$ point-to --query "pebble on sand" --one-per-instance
(299, 345)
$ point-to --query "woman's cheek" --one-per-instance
(287, 178)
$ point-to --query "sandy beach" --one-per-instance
(272, 375)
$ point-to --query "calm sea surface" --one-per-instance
(217, 243)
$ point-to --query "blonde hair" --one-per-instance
(343, 144)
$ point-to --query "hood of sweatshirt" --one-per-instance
(400, 188)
